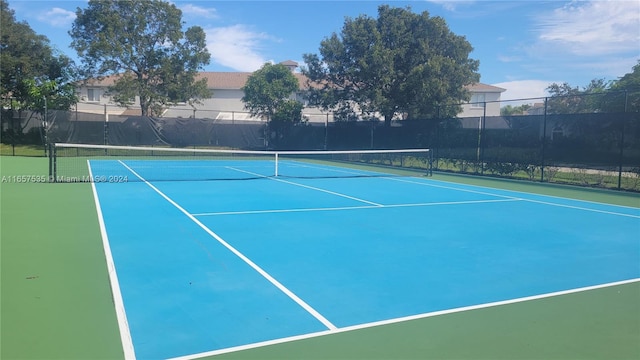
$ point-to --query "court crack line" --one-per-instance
(239, 254)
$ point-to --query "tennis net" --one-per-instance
(106, 163)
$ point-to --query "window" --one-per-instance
(93, 95)
(477, 100)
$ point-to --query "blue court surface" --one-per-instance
(203, 267)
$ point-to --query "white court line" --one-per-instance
(275, 211)
(308, 187)
(248, 261)
(452, 188)
(529, 200)
(497, 195)
(121, 315)
(582, 208)
(294, 163)
(402, 319)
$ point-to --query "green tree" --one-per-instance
(33, 77)
(400, 64)
(267, 93)
(630, 84)
(142, 43)
(598, 96)
(515, 110)
(565, 99)
(31, 69)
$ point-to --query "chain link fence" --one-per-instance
(589, 140)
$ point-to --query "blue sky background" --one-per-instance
(523, 46)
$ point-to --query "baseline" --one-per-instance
(404, 319)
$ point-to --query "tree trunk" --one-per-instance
(144, 107)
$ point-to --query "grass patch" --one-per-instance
(21, 150)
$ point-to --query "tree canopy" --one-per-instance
(31, 69)
(630, 83)
(566, 99)
(141, 42)
(515, 110)
(400, 64)
(267, 93)
(599, 95)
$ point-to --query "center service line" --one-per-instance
(308, 187)
(248, 261)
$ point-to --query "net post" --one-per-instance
(276, 165)
(430, 161)
(50, 162)
(53, 155)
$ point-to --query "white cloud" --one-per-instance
(591, 27)
(451, 5)
(57, 17)
(237, 47)
(509, 59)
(524, 89)
(194, 10)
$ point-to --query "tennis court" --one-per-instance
(201, 268)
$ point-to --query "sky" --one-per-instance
(522, 46)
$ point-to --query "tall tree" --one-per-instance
(31, 69)
(267, 93)
(33, 78)
(401, 63)
(142, 43)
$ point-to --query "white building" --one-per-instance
(226, 103)
(482, 95)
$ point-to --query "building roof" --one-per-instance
(236, 80)
(224, 80)
(289, 63)
(480, 87)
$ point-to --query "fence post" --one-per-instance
(326, 131)
(50, 162)
(45, 126)
(544, 140)
(621, 159)
(372, 125)
(106, 129)
(106, 126)
(436, 141)
(483, 122)
(480, 150)
(479, 139)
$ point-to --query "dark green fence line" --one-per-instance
(586, 149)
